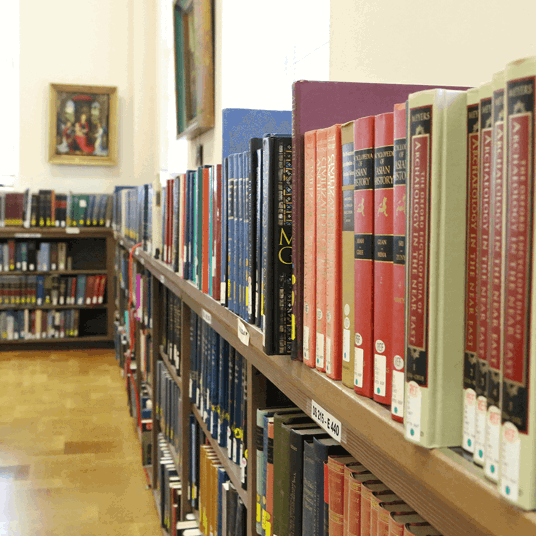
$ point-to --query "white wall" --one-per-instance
(453, 42)
(94, 42)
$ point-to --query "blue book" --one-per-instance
(45, 256)
(230, 402)
(40, 292)
(215, 352)
(237, 449)
(230, 233)
(224, 252)
(80, 289)
(239, 125)
(222, 478)
(239, 235)
(222, 392)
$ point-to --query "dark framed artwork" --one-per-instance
(194, 66)
(83, 125)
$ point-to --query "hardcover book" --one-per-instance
(435, 267)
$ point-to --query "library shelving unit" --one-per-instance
(91, 250)
(440, 484)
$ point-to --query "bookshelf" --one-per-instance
(92, 254)
(440, 484)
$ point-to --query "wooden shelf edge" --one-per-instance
(19, 307)
(53, 272)
(232, 470)
(449, 491)
(54, 232)
(86, 338)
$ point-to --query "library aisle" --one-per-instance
(69, 454)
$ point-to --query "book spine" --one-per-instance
(363, 254)
(485, 161)
(211, 225)
(217, 239)
(334, 253)
(517, 471)
(399, 260)
(231, 201)
(321, 239)
(496, 273)
(259, 228)
(348, 268)
(471, 273)
(336, 498)
(205, 226)
(309, 490)
(309, 250)
(224, 231)
(269, 489)
(383, 257)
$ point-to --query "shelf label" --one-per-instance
(207, 317)
(243, 333)
(72, 230)
(27, 235)
(327, 421)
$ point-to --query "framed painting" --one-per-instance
(194, 66)
(83, 125)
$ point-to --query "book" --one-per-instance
(363, 255)
(277, 216)
(397, 522)
(517, 480)
(336, 465)
(368, 487)
(348, 255)
(309, 248)
(399, 260)
(484, 224)
(383, 257)
(471, 272)
(333, 253)
(495, 334)
(321, 240)
(437, 150)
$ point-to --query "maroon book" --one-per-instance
(14, 209)
(318, 105)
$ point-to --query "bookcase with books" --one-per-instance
(238, 345)
(55, 277)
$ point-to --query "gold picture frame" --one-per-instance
(82, 125)
(194, 66)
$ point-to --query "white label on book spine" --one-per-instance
(480, 430)
(346, 345)
(328, 355)
(320, 350)
(243, 333)
(412, 419)
(162, 279)
(207, 317)
(327, 421)
(397, 402)
(222, 292)
(510, 458)
(358, 367)
(213, 265)
(493, 443)
(306, 343)
(24, 266)
(469, 417)
(380, 374)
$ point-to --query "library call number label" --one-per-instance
(327, 421)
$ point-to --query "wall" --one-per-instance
(95, 42)
(428, 42)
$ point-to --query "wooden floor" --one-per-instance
(69, 454)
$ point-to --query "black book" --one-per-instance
(231, 402)
(231, 510)
(241, 518)
(255, 144)
(277, 243)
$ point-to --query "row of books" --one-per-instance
(218, 381)
(33, 256)
(52, 289)
(38, 324)
(308, 484)
(46, 208)
(172, 324)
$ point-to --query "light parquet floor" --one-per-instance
(70, 460)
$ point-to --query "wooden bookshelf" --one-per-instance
(75, 237)
(443, 486)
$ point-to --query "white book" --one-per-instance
(435, 269)
(518, 432)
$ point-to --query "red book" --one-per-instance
(397, 522)
(321, 239)
(216, 235)
(336, 465)
(90, 289)
(182, 222)
(102, 290)
(399, 260)
(349, 469)
(364, 260)
(53, 208)
(383, 257)
(73, 291)
(205, 263)
(334, 254)
(355, 482)
(366, 499)
(14, 209)
(11, 251)
(384, 514)
(169, 221)
(379, 497)
(309, 249)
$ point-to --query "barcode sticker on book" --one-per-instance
(207, 317)
(319, 350)
(493, 442)
(346, 345)
(469, 409)
(328, 355)
(327, 421)
(397, 402)
(380, 374)
(510, 458)
(306, 343)
(358, 367)
(413, 412)
(480, 430)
